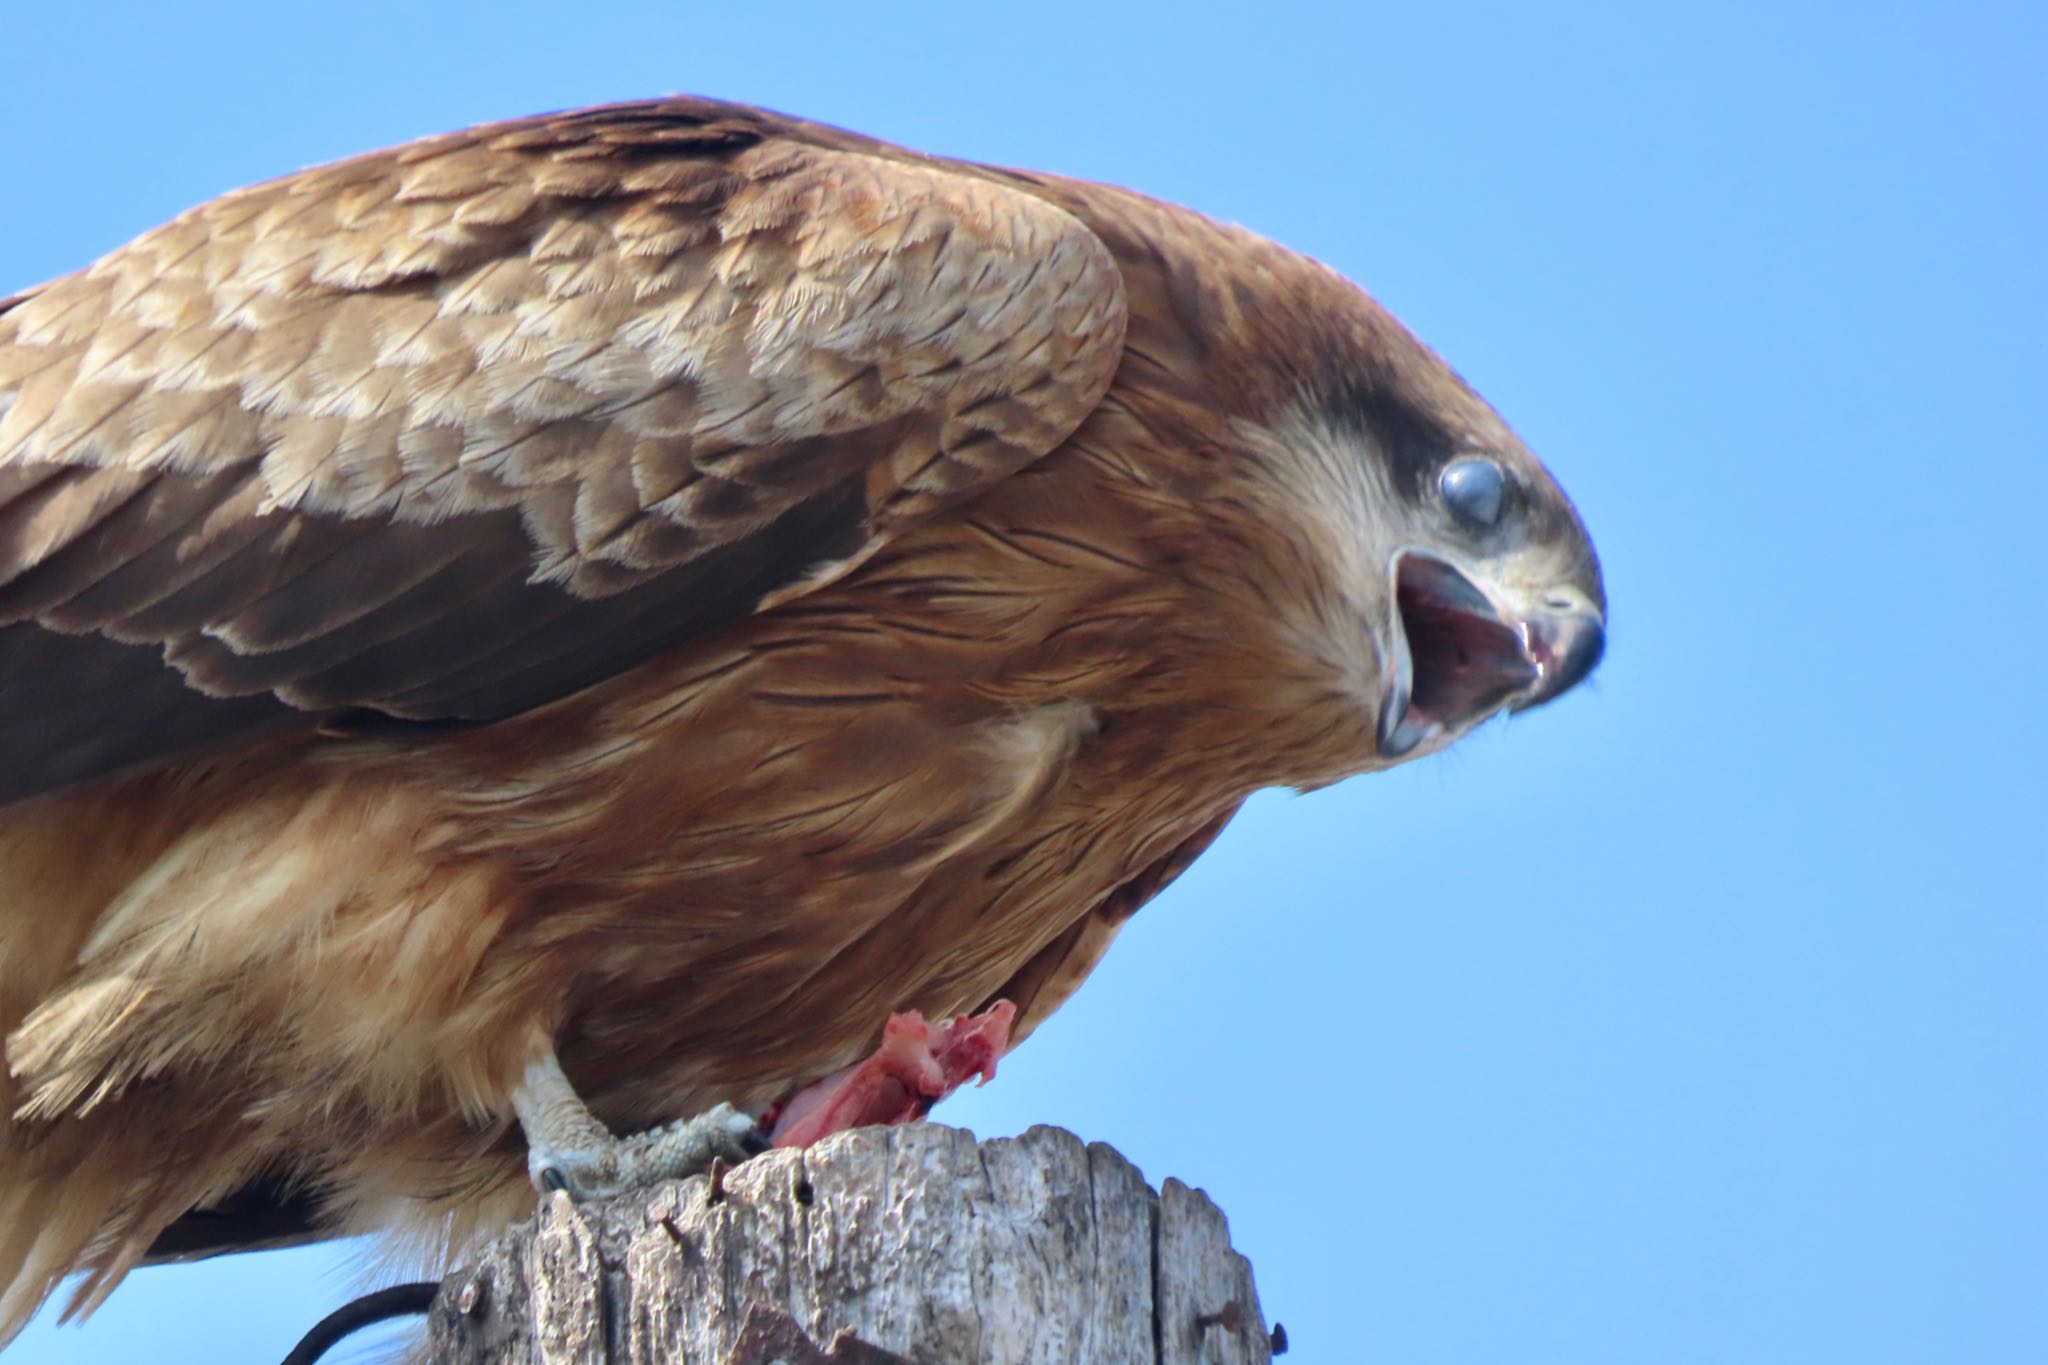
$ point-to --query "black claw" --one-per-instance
(552, 1179)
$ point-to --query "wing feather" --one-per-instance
(452, 430)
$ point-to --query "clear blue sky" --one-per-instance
(1700, 1018)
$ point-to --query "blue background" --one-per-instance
(1697, 1018)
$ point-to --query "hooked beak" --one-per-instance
(1458, 655)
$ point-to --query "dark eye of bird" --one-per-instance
(1473, 487)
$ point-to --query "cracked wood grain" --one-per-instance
(873, 1247)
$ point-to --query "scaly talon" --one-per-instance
(569, 1149)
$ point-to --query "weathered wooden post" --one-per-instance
(879, 1245)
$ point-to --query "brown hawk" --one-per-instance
(579, 620)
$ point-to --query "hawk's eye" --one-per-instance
(1473, 488)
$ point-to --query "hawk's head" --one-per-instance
(1495, 600)
(1449, 576)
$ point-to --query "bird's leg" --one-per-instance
(567, 1148)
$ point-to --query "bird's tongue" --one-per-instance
(917, 1065)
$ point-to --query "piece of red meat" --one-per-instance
(917, 1065)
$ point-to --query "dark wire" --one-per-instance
(357, 1314)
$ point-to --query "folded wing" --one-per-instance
(444, 433)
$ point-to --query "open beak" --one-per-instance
(1459, 655)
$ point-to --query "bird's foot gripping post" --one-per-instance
(917, 1065)
(567, 1148)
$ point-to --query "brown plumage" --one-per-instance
(679, 583)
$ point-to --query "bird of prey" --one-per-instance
(596, 624)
